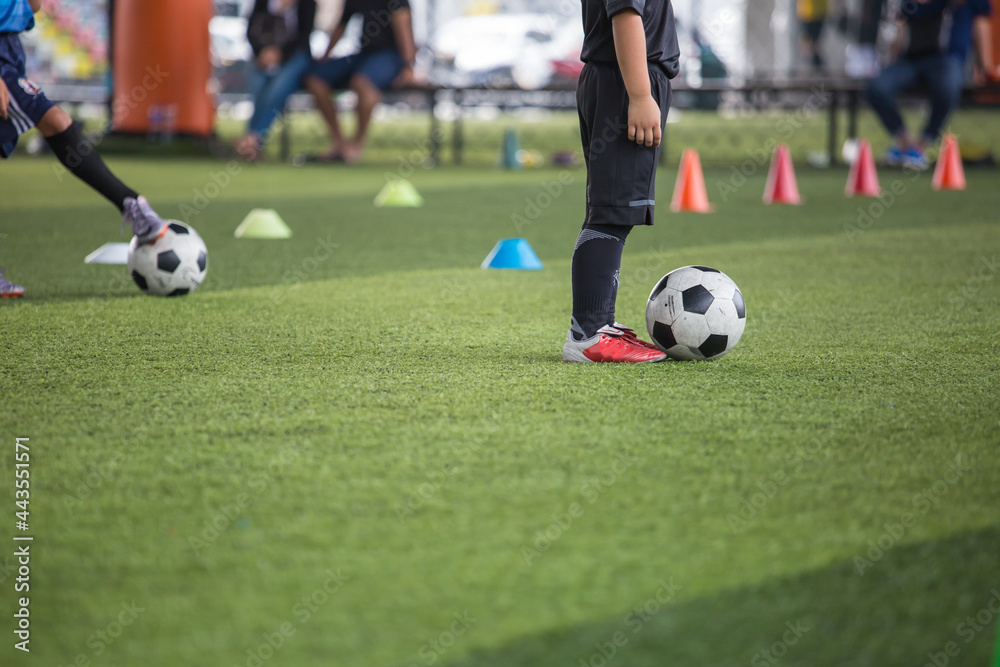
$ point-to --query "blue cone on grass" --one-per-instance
(512, 254)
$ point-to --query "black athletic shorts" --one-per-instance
(621, 175)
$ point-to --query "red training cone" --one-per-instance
(689, 191)
(948, 172)
(781, 188)
(863, 180)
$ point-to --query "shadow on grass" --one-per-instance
(910, 602)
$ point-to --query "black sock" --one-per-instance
(81, 158)
(596, 262)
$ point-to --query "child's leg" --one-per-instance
(79, 156)
(620, 190)
(621, 179)
(597, 260)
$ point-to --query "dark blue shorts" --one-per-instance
(28, 103)
(381, 68)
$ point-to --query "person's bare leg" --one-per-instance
(55, 121)
(323, 96)
(904, 140)
(368, 98)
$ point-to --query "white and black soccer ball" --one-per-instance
(696, 312)
(174, 265)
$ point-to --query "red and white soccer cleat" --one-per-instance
(630, 334)
(609, 345)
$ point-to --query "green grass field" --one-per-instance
(374, 456)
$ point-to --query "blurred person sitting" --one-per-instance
(812, 15)
(862, 30)
(937, 36)
(386, 59)
(278, 32)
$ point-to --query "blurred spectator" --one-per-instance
(931, 48)
(279, 32)
(862, 56)
(386, 59)
(812, 15)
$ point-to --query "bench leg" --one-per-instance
(456, 137)
(834, 109)
(853, 100)
(286, 138)
(435, 142)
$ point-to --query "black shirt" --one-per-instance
(376, 29)
(657, 21)
(264, 29)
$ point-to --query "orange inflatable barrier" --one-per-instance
(161, 67)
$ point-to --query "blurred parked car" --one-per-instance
(524, 50)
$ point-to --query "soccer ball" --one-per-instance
(696, 312)
(174, 265)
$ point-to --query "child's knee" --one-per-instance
(55, 121)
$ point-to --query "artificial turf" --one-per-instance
(374, 455)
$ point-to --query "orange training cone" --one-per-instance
(948, 172)
(689, 191)
(863, 180)
(781, 188)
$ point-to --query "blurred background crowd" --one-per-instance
(516, 42)
(729, 48)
